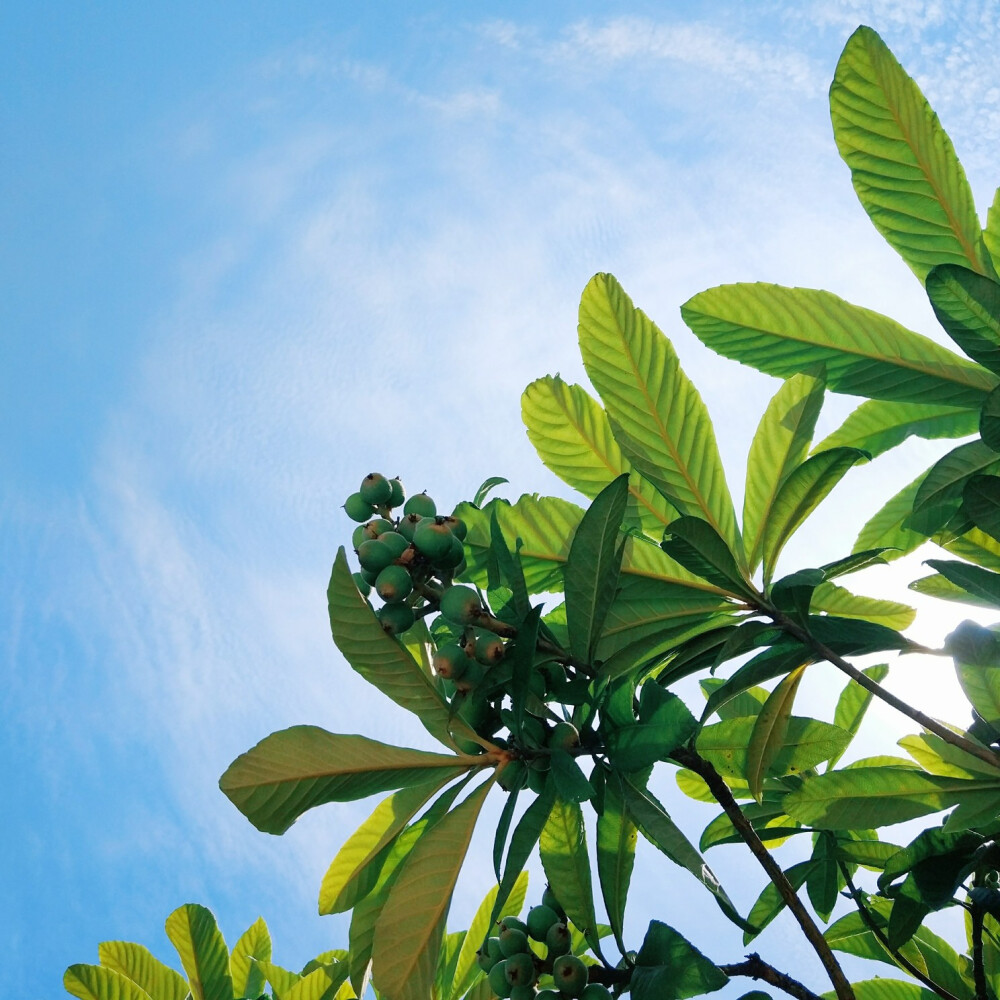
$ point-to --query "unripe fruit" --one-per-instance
(489, 648)
(453, 557)
(456, 526)
(358, 536)
(397, 492)
(378, 527)
(395, 541)
(498, 980)
(357, 507)
(519, 967)
(432, 539)
(595, 991)
(368, 576)
(362, 584)
(489, 954)
(549, 900)
(570, 975)
(522, 993)
(540, 920)
(558, 940)
(513, 941)
(471, 678)
(548, 995)
(536, 781)
(451, 661)
(407, 525)
(461, 605)
(564, 736)
(514, 924)
(420, 503)
(395, 618)
(512, 776)
(375, 488)
(374, 556)
(393, 584)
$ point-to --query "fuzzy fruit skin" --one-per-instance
(558, 939)
(570, 975)
(453, 557)
(375, 488)
(398, 493)
(513, 923)
(540, 919)
(498, 980)
(461, 605)
(422, 504)
(513, 941)
(362, 584)
(451, 661)
(595, 991)
(374, 556)
(395, 618)
(432, 540)
(358, 536)
(564, 736)
(378, 527)
(407, 525)
(395, 541)
(369, 577)
(471, 678)
(358, 508)
(520, 968)
(549, 900)
(393, 584)
(489, 954)
(489, 648)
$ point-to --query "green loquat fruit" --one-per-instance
(564, 736)
(422, 504)
(395, 541)
(498, 980)
(450, 661)
(520, 966)
(398, 493)
(362, 584)
(489, 648)
(374, 556)
(395, 618)
(432, 539)
(358, 508)
(375, 489)
(489, 954)
(522, 993)
(558, 939)
(549, 900)
(512, 777)
(540, 919)
(407, 525)
(456, 526)
(570, 975)
(393, 584)
(461, 605)
(595, 991)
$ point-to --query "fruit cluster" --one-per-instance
(514, 964)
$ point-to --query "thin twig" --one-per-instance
(932, 725)
(690, 759)
(756, 968)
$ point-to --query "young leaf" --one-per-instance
(656, 414)
(410, 928)
(145, 970)
(853, 704)
(593, 566)
(975, 545)
(253, 946)
(484, 491)
(292, 770)
(967, 305)
(903, 165)
(280, 979)
(780, 445)
(378, 657)
(799, 495)
(698, 547)
(92, 982)
(784, 331)
(668, 967)
(770, 902)
(616, 839)
(833, 600)
(979, 582)
(572, 435)
(770, 728)
(204, 956)
(319, 984)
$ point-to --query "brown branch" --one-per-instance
(756, 968)
(978, 969)
(932, 725)
(690, 759)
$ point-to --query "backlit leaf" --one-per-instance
(967, 305)
(981, 583)
(698, 547)
(668, 967)
(890, 525)
(852, 705)
(770, 902)
(145, 970)
(770, 728)
(253, 946)
(616, 839)
(976, 651)
(834, 600)
(93, 982)
(202, 949)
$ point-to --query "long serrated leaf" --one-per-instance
(780, 444)
(280, 979)
(378, 657)
(291, 771)
(937, 586)
(202, 949)
(903, 165)
(572, 435)
(143, 968)
(799, 495)
(697, 546)
(656, 414)
(253, 946)
(785, 331)
(770, 902)
(767, 738)
(824, 882)
(833, 600)
(980, 583)
(593, 567)
(947, 477)
(94, 982)
(967, 305)
(853, 704)
(410, 927)
(781, 658)
(616, 838)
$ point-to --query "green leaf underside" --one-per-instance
(947, 477)
(903, 165)
(853, 703)
(887, 527)
(616, 839)
(253, 946)
(780, 444)
(145, 970)
(657, 416)
(378, 657)
(876, 426)
(410, 928)
(92, 982)
(785, 331)
(981, 501)
(991, 234)
(202, 949)
(967, 305)
(697, 546)
(977, 547)
(937, 586)
(982, 584)
(668, 967)
(293, 770)
(806, 743)
(976, 651)
(770, 902)
(770, 728)
(886, 989)
(573, 438)
(834, 600)
(320, 984)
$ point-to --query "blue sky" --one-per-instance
(254, 251)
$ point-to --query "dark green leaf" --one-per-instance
(668, 967)
(989, 419)
(506, 567)
(981, 501)
(697, 546)
(967, 305)
(854, 562)
(616, 839)
(824, 881)
(522, 662)
(571, 783)
(976, 651)
(945, 481)
(503, 828)
(664, 724)
(793, 593)
(770, 902)
(979, 582)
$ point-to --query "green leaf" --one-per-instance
(571, 783)
(806, 743)
(770, 729)
(800, 494)
(92, 982)
(886, 989)
(793, 594)
(824, 881)
(281, 980)
(903, 165)
(877, 426)
(937, 586)
(668, 967)
(573, 438)
(781, 658)
(974, 545)
(991, 234)
(204, 956)
(253, 946)
(616, 838)
(293, 770)
(145, 970)
(770, 902)
(889, 527)
(967, 305)
(976, 651)
(860, 798)
(656, 414)
(748, 702)
(484, 491)
(946, 478)
(320, 984)
(410, 927)
(466, 967)
(658, 731)
(698, 547)
(852, 705)
(593, 566)
(780, 445)
(785, 331)
(563, 849)
(981, 501)
(521, 654)
(354, 872)
(981, 583)
(834, 600)
(378, 657)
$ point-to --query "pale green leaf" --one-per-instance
(831, 599)
(976, 651)
(991, 234)
(888, 527)
(253, 946)
(976, 546)
(938, 586)
(320, 984)
(291, 771)
(656, 414)
(852, 705)
(767, 738)
(202, 949)
(903, 165)
(887, 989)
(770, 902)
(280, 979)
(145, 970)
(93, 982)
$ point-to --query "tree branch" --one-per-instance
(932, 725)
(690, 759)
(978, 969)
(756, 968)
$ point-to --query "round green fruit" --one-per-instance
(549, 900)
(520, 967)
(513, 941)
(514, 924)
(451, 661)
(378, 527)
(422, 504)
(375, 489)
(461, 605)
(407, 525)
(358, 508)
(374, 556)
(570, 975)
(540, 919)
(512, 776)
(393, 584)
(564, 736)
(398, 493)
(558, 939)
(358, 536)
(595, 991)
(457, 527)
(455, 555)
(498, 980)
(362, 584)
(489, 954)
(522, 993)
(536, 780)
(395, 541)
(395, 618)
(489, 648)
(369, 577)
(432, 540)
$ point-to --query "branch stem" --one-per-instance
(756, 968)
(978, 968)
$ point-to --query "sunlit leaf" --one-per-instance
(280, 979)
(698, 547)
(834, 600)
(770, 729)
(668, 967)
(253, 946)
(852, 705)
(145, 970)
(889, 527)
(977, 660)
(770, 902)
(981, 583)
(616, 838)
(93, 982)
(202, 949)
(937, 586)
(319, 984)
(967, 305)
